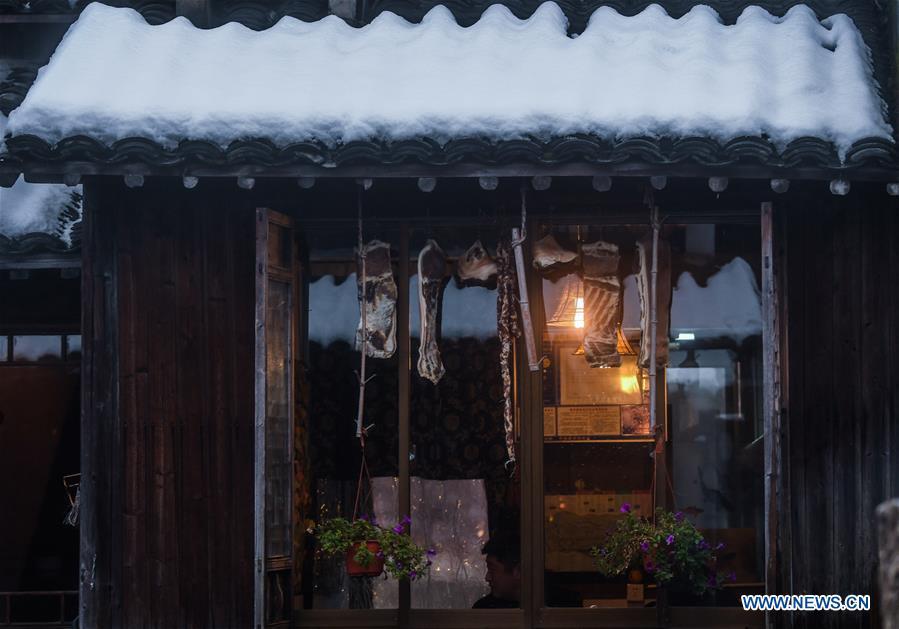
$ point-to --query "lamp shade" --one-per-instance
(569, 312)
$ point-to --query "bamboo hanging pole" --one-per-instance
(653, 314)
(364, 333)
(527, 326)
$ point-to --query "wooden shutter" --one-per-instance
(276, 311)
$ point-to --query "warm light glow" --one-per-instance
(686, 336)
(629, 384)
(579, 313)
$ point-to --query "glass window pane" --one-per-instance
(4, 348)
(35, 348)
(714, 387)
(597, 443)
(332, 394)
(599, 447)
(74, 347)
(465, 498)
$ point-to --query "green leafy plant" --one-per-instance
(403, 559)
(670, 550)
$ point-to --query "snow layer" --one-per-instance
(114, 76)
(36, 207)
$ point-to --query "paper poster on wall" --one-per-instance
(549, 421)
(588, 421)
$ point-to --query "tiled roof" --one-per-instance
(813, 153)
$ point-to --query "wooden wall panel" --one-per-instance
(183, 278)
(841, 421)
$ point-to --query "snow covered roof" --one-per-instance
(647, 87)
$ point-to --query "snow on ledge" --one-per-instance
(38, 207)
(114, 76)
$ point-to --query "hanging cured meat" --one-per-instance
(550, 257)
(431, 269)
(476, 267)
(663, 299)
(602, 303)
(378, 297)
(508, 329)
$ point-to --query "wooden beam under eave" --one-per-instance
(197, 11)
(53, 172)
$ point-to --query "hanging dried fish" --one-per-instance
(476, 267)
(550, 256)
(378, 298)
(431, 269)
(602, 303)
(663, 299)
(508, 329)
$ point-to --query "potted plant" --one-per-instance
(370, 549)
(670, 550)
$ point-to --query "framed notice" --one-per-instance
(588, 421)
(549, 421)
(580, 384)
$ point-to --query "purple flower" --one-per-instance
(669, 540)
(650, 567)
(406, 520)
(732, 576)
(430, 552)
(399, 565)
(644, 547)
(363, 517)
(720, 546)
(398, 529)
(703, 545)
(413, 574)
(679, 516)
(625, 507)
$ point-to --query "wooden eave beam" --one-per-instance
(43, 172)
(37, 18)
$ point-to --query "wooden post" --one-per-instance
(888, 550)
(259, 421)
(100, 566)
(771, 396)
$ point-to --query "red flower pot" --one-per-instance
(374, 568)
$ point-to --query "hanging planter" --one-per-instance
(670, 550)
(370, 549)
(365, 563)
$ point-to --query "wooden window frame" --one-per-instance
(270, 571)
